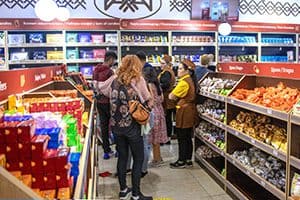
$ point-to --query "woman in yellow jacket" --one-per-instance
(185, 94)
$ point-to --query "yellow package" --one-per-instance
(54, 38)
(55, 55)
(12, 102)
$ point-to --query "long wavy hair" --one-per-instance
(150, 76)
(130, 68)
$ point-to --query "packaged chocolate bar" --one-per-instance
(39, 55)
(97, 38)
(12, 154)
(37, 180)
(49, 181)
(36, 38)
(61, 163)
(86, 54)
(86, 70)
(12, 166)
(24, 151)
(72, 54)
(54, 38)
(99, 53)
(84, 37)
(37, 166)
(72, 37)
(25, 166)
(49, 160)
(19, 56)
(16, 38)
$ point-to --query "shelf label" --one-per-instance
(252, 141)
(275, 152)
(263, 183)
(232, 101)
(269, 111)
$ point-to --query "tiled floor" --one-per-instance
(164, 183)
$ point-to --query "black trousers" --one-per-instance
(134, 141)
(104, 116)
(185, 143)
(169, 122)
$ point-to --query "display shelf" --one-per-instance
(211, 145)
(210, 168)
(144, 44)
(260, 109)
(74, 61)
(238, 45)
(235, 191)
(213, 121)
(295, 162)
(193, 44)
(213, 96)
(34, 45)
(90, 44)
(278, 45)
(252, 141)
(252, 82)
(295, 119)
(20, 62)
(262, 182)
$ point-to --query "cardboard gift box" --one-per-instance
(37, 180)
(12, 153)
(10, 132)
(99, 53)
(61, 106)
(72, 37)
(36, 38)
(62, 179)
(37, 166)
(49, 160)
(61, 163)
(24, 151)
(64, 193)
(25, 131)
(97, 38)
(2, 148)
(50, 181)
(84, 37)
(12, 166)
(16, 38)
(38, 146)
(25, 166)
(54, 38)
(2, 135)
(55, 55)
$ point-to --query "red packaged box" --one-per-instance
(11, 152)
(33, 107)
(53, 107)
(25, 131)
(40, 106)
(37, 166)
(49, 160)
(12, 166)
(2, 148)
(76, 104)
(62, 178)
(25, 167)
(2, 135)
(38, 146)
(37, 180)
(49, 181)
(24, 151)
(99, 53)
(97, 38)
(46, 106)
(10, 132)
(61, 163)
(61, 106)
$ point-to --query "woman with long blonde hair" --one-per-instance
(127, 84)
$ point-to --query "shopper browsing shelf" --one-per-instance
(158, 133)
(127, 84)
(167, 81)
(202, 70)
(101, 73)
(185, 94)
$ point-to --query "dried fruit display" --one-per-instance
(260, 128)
(217, 85)
(280, 97)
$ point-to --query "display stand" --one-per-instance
(238, 179)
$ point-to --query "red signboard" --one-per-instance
(72, 24)
(281, 70)
(18, 81)
(141, 24)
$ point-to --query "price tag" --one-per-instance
(236, 133)
(269, 111)
(263, 183)
(252, 141)
(275, 152)
(232, 101)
